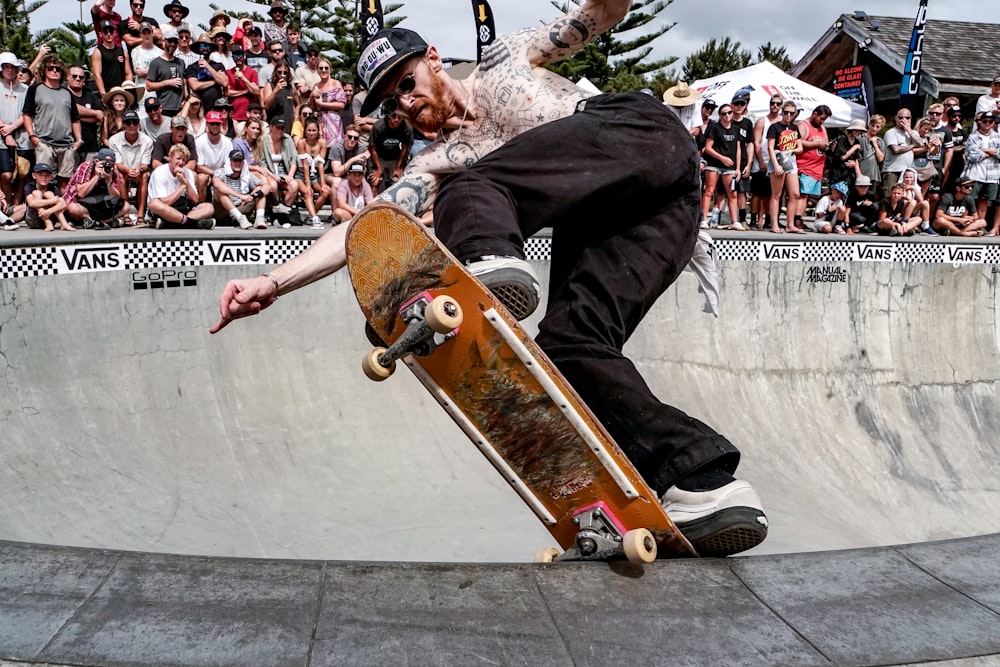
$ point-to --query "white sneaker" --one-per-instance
(317, 223)
(281, 209)
(511, 279)
(283, 225)
(244, 222)
(261, 223)
(704, 225)
(10, 226)
(720, 522)
(737, 226)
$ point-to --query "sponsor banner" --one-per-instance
(776, 251)
(910, 85)
(964, 254)
(485, 29)
(217, 253)
(874, 252)
(90, 258)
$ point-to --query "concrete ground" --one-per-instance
(865, 407)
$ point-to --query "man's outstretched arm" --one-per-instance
(565, 36)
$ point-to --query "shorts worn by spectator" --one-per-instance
(96, 195)
(956, 214)
(15, 139)
(609, 264)
(133, 157)
(238, 193)
(173, 195)
(44, 201)
(894, 218)
(51, 119)
(831, 211)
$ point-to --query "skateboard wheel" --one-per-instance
(443, 314)
(546, 555)
(639, 546)
(373, 369)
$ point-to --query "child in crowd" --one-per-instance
(894, 217)
(831, 211)
(45, 202)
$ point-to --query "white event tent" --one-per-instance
(763, 80)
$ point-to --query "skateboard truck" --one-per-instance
(602, 537)
(430, 321)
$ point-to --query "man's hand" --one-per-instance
(243, 298)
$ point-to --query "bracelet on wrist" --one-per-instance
(276, 285)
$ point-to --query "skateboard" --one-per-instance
(425, 310)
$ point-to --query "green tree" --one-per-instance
(616, 55)
(70, 41)
(776, 55)
(15, 31)
(715, 58)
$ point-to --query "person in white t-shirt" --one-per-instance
(213, 150)
(144, 54)
(173, 195)
(991, 100)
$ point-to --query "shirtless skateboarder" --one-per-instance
(520, 148)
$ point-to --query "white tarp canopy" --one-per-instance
(764, 80)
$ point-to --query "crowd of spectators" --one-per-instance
(931, 175)
(268, 130)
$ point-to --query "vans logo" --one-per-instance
(781, 252)
(958, 254)
(233, 252)
(874, 252)
(85, 259)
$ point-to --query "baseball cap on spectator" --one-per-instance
(151, 103)
(170, 32)
(254, 30)
(43, 166)
(184, 27)
(384, 52)
(996, 79)
(130, 115)
(107, 25)
(839, 187)
(223, 103)
(213, 117)
(8, 58)
(710, 104)
(106, 154)
(357, 166)
(255, 105)
(237, 51)
(236, 154)
(277, 122)
(741, 95)
(955, 110)
(986, 114)
(311, 50)
(179, 121)
(965, 180)
(862, 180)
(145, 25)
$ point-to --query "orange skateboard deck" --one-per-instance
(503, 392)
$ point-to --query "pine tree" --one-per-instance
(776, 55)
(715, 58)
(614, 56)
(70, 41)
(15, 31)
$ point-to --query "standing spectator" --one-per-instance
(957, 215)
(353, 194)
(130, 29)
(275, 30)
(165, 77)
(96, 194)
(145, 53)
(276, 55)
(173, 195)
(783, 147)
(307, 75)
(744, 129)
(845, 154)
(213, 151)
(219, 19)
(238, 192)
(175, 13)
(991, 100)
(296, 55)
(257, 55)
(155, 123)
(346, 114)
(723, 161)
(344, 155)
(109, 62)
(760, 182)
(45, 202)
(133, 158)
(221, 40)
(103, 12)
(11, 123)
(390, 150)
(902, 145)
(243, 88)
(184, 52)
(812, 161)
(178, 135)
(328, 100)
(52, 120)
(279, 97)
(117, 102)
(982, 159)
(240, 34)
(225, 110)
(205, 78)
(873, 151)
(958, 138)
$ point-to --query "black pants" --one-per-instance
(619, 184)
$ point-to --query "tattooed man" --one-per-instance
(519, 148)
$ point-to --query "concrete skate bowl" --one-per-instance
(859, 379)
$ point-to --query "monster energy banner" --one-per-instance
(485, 30)
(371, 18)
(911, 70)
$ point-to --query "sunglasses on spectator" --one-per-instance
(131, 122)
(966, 187)
(352, 137)
(987, 120)
(725, 113)
(789, 113)
(78, 77)
(776, 104)
(277, 50)
(110, 31)
(739, 103)
(139, 4)
(54, 68)
(323, 69)
(934, 113)
(404, 87)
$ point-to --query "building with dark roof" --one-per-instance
(959, 57)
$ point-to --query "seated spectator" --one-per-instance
(96, 194)
(194, 112)
(893, 219)
(238, 192)
(956, 214)
(10, 216)
(982, 149)
(225, 111)
(342, 156)
(312, 182)
(916, 205)
(178, 135)
(213, 151)
(45, 202)
(173, 194)
(133, 157)
(831, 211)
(280, 158)
(353, 194)
(298, 127)
(155, 122)
(862, 207)
(116, 102)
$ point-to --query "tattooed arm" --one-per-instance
(568, 34)
(414, 192)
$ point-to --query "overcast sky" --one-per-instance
(448, 24)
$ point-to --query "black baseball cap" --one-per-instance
(236, 154)
(381, 55)
(130, 115)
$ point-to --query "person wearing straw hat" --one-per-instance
(681, 99)
(116, 102)
(844, 154)
(275, 30)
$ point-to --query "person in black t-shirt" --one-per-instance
(723, 160)
(956, 213)
(892, 218)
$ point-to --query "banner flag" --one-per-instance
(371, 20)
(911, 69)
(485, 30)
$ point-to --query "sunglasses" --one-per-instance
(987, 120)
(139, 4)
(404, 87)
(775, 104)
(725, 113)
(78, 77)
(131, 122)
(789, 113)
(323, 69)
(108, 31)
(934, 113)
(352, 137)
(739, 103)
(277, 50)
(54, 68)
(966, 187)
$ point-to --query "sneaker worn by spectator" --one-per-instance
(316, 223)
(511, 279)
(720, 515)
(207, 223)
